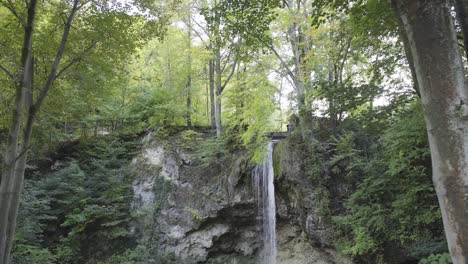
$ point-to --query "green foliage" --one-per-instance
(437, 259)
(251, 107)
(157, 89)
(104, 34)
(213, 150)
(83, 202)
(25, 254)
(246, 20)
(395, 202)
(125, 78)
(191, 139)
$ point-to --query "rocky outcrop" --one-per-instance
(297, 196)
(199, 212)
(305, 233)
(205, 212)
(295, 248)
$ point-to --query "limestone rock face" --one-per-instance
(194, 212)
(299, 198)
(206, 213)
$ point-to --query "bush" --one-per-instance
(395, 202)
(437, 259)
(81, 210)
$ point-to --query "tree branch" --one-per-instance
(345, 58)
(227, 59)
(53, 71)
(270, 68)
(229, 77)
(9, 5)
(76, 59)
(12, 77)
(196, 33)
(283, 63)
(200, 26)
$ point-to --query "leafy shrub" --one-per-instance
(437, 259)
(395, 202)
(191, 139)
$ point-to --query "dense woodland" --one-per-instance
(362, 81)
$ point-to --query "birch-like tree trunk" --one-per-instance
(437, 60)
(26, 107)
(188, 84)
(219, 90)
(212, 95)
(7, 183)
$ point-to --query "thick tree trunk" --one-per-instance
(10, 167)
(18, 185)
(439, 71)
(8, 175)
(16, 157)
(300, 45)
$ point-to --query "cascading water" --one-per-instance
(265, 194)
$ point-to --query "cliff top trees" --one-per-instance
(56, 36)
(235, 29)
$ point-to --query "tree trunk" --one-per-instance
(189, 103)
(168, 67)
(219, 88)
(439, 71)
(300, 45)
(189, 75)
(409, 56)
(332, 82)
(15, 161)
(18, 185)
(212, 95)
(207, 85)
(7, 184)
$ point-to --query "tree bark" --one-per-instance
(11, 154)
(439, 71)
(189, 75)
(212, 95)
(409, 56)
(219, 89)
(18, 144)
(18, 184)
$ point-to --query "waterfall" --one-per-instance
(265, 194)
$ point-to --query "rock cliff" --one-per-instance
(205, 212)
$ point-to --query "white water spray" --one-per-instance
(265, 194)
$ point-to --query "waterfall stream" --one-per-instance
(265, 194)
